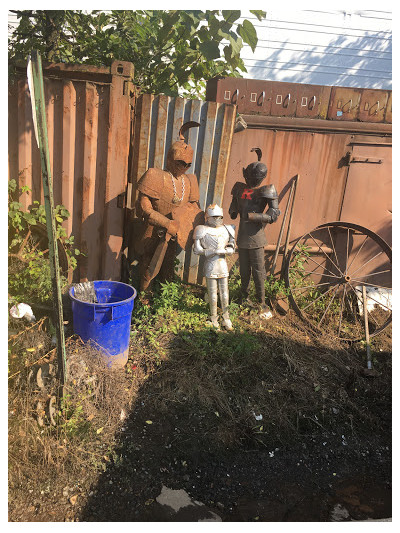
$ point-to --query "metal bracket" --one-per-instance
(374, 160)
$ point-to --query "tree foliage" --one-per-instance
(172, 51)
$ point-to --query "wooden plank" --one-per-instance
(192, 265)
(142, 135)
(177, 124)
(68, 151)
(98, 214)
(79, 104)
(224, 153)
(206, 157)
(56, 88)
(13, 132)
(25, 139)
(161, 131)
(117, 177)
(88, 242)
(207, 152)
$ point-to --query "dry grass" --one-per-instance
(301, 384)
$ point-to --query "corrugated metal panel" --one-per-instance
(88, 126)
(159, 119)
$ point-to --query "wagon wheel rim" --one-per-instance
(352, 256)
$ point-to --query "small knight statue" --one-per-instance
(215, 240)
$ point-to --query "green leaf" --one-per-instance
(231, 16)
(210, 50)
(236, 43)
(258, 13)
(248, 33)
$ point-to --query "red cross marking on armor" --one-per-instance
(247, 194)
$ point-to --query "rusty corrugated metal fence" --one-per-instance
(159, 119)
(88, 113)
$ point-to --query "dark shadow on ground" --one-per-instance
(305, 458)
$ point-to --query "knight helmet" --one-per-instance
(214, 215)
(256, 172)
(180, 154)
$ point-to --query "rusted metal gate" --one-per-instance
(340, 173)
(159, 119)
(88, 111)
(336, 180)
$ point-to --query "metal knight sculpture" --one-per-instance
(168, 203)
(215, 240)
(249, 201)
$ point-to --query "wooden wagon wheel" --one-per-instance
(325, 271)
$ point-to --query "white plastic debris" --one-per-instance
(258, 417)
(85, 292)
(266, 315)
(22, 311)
(376, 296)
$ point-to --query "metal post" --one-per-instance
(289, 223)
(36, 87)
(278, 244)
(365, 309)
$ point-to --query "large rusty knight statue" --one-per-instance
(169, 204)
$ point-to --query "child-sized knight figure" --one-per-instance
(215, 240)
(249, 201)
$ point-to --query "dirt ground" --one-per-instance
(288, 428)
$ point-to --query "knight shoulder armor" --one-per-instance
(200, 232)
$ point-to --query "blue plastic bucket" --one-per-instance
(107, 322)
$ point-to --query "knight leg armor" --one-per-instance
(212, 290)
(257, 261)
(245, 272)
(224, 298)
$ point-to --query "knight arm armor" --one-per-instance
(233, 208)
(230, 247)
(154, 217)
(273, 211)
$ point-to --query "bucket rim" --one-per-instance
(121, 302)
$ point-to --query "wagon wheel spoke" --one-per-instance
(327, 256)
(328, 306)
(317, 299)
(333, 246)
(358, 251)
(369, 284)
(313, 286)
(341, 310)
(347, 250)
(365, 264)
(319, 264)
(327, 275)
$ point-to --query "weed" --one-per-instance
(29, 268)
